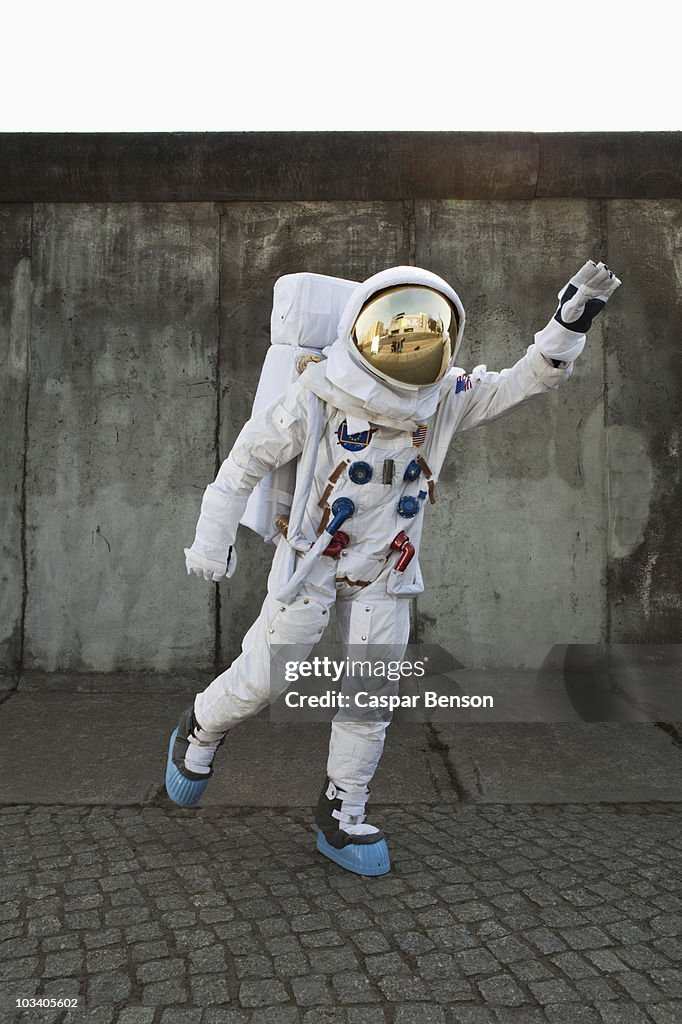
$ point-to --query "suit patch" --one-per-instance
(353, 442)
(419, 435)
(463, 383)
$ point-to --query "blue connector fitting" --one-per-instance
(342, 509)
(408, 506)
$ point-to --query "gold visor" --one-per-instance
(405, 334)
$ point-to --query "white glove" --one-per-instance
(211, 570)
(585, 295)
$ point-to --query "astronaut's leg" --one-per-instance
(255, 678)
(374, 628)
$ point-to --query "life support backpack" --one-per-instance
(306, 310)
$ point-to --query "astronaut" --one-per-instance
(371, 425)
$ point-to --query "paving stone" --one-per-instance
(273, 927)
(415, 943)
(385, 963)
(319, 940)
(290, 965)
(419, 1013)
(669, 981)
(135, 1015)
(105, 937)
(622, 1013)
(353, 987)
(574, 965)
(60, 987)
(606, 960)
(164, 993)
(476, 961)
(400, 988)
(447, 990)
(545, 940)
(209, 988)
(554, 991)
(596, 990)
(62, 964)
(571, 1014)
(509, 949)
(332, 961)
(501, 990)
(436, 965)
(160, 970)
(313, 990)
(586, 938)
(667, 924)
(311, 922)
(276, 1015)
(532, 970)
(627, 933)
(54, 943)
(107, 959)
(110, 987)
(665, 1013)
(472, 1015)
(262, 993)
(256, 965)
(638, 987)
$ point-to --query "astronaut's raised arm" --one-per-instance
(484, 395)
(271, 438)
(548, 362)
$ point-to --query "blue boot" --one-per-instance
(344, 837)
(184, 786)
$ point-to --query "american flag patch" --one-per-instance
(463, 383)
(419, 435)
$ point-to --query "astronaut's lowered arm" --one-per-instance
(271, 438)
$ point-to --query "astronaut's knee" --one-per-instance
(366, 730)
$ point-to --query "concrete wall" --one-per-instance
(131, 338)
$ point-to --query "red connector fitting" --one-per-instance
(406, 557)
(401, 542)
(339, 541)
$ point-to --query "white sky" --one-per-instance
(72, 66)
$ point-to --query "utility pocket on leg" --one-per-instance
(301, 622)
(378, 621)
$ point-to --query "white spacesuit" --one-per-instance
(371, 423)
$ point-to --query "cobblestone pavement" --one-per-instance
(491, 914)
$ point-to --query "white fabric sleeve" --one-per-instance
(487, 395)
(271, 438)
(557, 342)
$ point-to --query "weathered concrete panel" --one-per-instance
(121, 426)
(566, 763)
(81, 763)
(260, 242)
(514, 549)
(605, 164)
(644, 356)
(15, 301)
